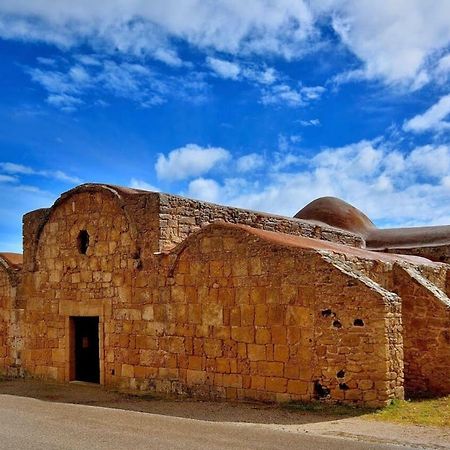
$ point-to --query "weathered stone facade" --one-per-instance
(198, 299)
(10, 315)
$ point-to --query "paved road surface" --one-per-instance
(27, 423)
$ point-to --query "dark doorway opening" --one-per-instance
(86, 349)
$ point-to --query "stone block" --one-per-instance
(195, 377)
(275, 384)
(256, 352)
(212, 314)
(243, 334)
(127, 370)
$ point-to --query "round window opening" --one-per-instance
(83, 241)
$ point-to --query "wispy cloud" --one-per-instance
(19, 169)
(309, 123)
(250, 162)
(90, 77)
(223, 68)
(432, 118)
(136, 183)
(283, 94)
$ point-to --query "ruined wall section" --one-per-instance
(358, 339)
(9, 320)
(425, 320)
(143, 212)
(5, 307)
(66, 282)
(438, 253)
(32, 224)
(180, 216)
(426, 325)
(233, 316)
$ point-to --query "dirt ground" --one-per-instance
(346, 422)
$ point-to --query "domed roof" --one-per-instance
(336, 213)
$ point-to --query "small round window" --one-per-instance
(83, 241)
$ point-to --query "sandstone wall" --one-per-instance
(425, 320)
(225, 315)
(426, 334)
(228, 313)
(359, 344)
(180, 216)
(240, 318)
(68, 283)
(5, 307)
(138, 208)
(10, 343)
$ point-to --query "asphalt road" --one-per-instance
(27, 423)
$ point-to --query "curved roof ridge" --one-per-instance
(11, 260)
(295, 241)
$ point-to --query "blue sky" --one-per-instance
(258, 104)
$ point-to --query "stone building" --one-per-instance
(150, 291)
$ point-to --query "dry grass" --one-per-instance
(435, 412)
(425, 412)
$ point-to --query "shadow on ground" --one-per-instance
(246, 412)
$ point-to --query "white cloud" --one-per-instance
(64, 102)
(258, 74)
(396, 40)
(143, 185)
(432, 118)
(204, 189)
(433, 161)
(19, 169)
(443, 66)
(224, 69)
(265, 75)
(139, 27)
(312, 92)
(393, 188)
(249, 162)
(13, 168)
(168, 56)
(310, 123)
(282, 94)
(8, 179)
(71, 84)
(288, 96)
(189, 161)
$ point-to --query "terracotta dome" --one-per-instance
(336, 213)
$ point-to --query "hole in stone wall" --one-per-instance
(343, 386)
(341, 374)
(446, 336)
(358, 323)
(321, 391)
(83, 241)
(326, 313)
(137, 259)
(337, 324)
